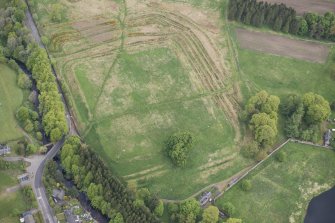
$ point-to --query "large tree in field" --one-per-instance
(178, 147)
(188, 211)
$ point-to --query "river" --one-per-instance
(321, 209)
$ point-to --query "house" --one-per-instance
(58, 195)
(327, 137)
(4, 149)
(27, 217)
(205, 198)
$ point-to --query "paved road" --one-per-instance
(37, 172)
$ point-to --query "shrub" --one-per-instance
(251, 150)
(281, 156)
(246, 185)
(23, 81)
(261, 155)
(45, 40)
(228, 208)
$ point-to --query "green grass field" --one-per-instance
(281, 191)
(130, 92)
(7, 180)
(150, 99)
(11, 97)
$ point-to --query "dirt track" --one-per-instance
(301, 6)
(283, 46)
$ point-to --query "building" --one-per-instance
(58, 195)
(4, 149)
(27, 217)
(327, 137)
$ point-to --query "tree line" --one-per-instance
(261, 114)
(103, 189)
(279, 17)
(16, 43)
(302, 115)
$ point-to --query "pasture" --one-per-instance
(302, 6)
(281, 191)
(282, 46)
(11, 97)
(142, 72)
(282, 76)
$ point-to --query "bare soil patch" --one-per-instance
(283, 46)
(302, 6)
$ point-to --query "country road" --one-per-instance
(38, 188)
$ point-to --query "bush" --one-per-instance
(23, 81)
(31, 149)
(228, 208)
(332, 105)
(45, 40)
(261, 155)
(251, 150)
(281, 156)
(246, 185)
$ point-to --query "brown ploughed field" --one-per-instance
(282, 46)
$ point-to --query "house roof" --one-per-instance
(58, 194)
(328, 135)
(4, 147)
(29, 219)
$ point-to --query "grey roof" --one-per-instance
(70, 218)
(328, 135)
(58, 194)
(29, 219)
(4, 149)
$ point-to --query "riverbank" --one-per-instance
(321, 209)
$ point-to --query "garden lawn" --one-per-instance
(11, 98)
(11, 206)
(281, 191)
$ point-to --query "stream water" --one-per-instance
(321, 208)
(33, 88)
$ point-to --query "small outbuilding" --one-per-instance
(27, 217)
(4, 149)
(58, 195)
(327, 137)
